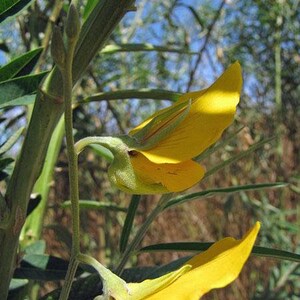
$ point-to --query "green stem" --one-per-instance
(73, 167)
(72, 155)
(106, 141)
(47, 111)
(141, 232)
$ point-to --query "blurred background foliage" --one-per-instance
(178, 46)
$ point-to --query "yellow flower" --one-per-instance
(215, 268)
(157, 156)
(210, 111)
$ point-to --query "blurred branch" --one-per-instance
(202, 49)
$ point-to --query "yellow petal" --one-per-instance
(214, 268)
(211, 112)
(138, 291)
(175, 177)
(184, 98)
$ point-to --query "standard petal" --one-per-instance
(184, 98)
(175, 177)
(212, 111)
(212, 269)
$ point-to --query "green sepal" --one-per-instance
(116, 288)
(121, 172)
(113, 285)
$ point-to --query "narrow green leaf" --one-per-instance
(35, 222)
(90, 4)
(11, 141)
(199, 247)
(238, 156)
(21, 101)
(9, 8)
(90, 204)
(156, 94)
(110, 49)
(126, 230)
(20, 66)
(18, 87)
(219, 145)
(229, 190)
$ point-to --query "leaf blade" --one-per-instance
(228, 190)
(20, 66)
(198, 247)
(126, 230)
(19, 87)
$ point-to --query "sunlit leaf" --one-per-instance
(15, 88)
(21, 101)
(10, 8)
(20, 66)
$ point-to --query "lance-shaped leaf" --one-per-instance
(20, 66)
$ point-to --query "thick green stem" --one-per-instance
(47, 111)
(141, 232)
(72, 155)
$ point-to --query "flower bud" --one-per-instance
(58, 50)
(73, 23)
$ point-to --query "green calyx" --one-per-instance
(121, 172)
